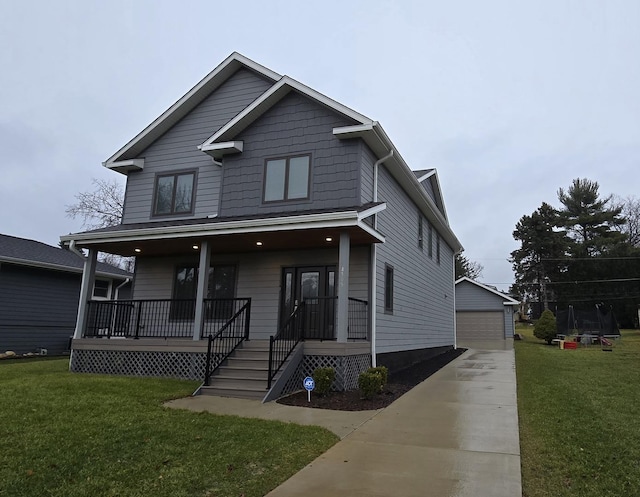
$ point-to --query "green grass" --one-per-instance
(579, 418)
(67, 435)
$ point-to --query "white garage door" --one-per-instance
(471, 325)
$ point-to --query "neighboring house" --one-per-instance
(482, 312)
(39, 290)
(300, 214)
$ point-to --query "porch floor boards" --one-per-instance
(244, 373)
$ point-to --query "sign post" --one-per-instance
(309, 385)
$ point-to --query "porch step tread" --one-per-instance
(231, 376)
(256, 394)
(252, 367)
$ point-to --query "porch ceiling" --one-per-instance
(239, 242)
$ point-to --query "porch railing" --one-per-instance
(223, 342)
(290, 334)
(358, 320)
(172, 318)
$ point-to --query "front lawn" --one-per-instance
(579, 418)
(67, 435)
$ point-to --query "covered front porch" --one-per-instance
(282, 286)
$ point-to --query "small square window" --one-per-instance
(101, 289)
(286, 179)
(388, 288)
(174, 194)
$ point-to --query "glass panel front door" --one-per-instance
(316, 287)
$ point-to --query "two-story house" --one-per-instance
(280, 223)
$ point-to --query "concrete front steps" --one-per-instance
(244, 373)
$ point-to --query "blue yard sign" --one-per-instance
(309, 385)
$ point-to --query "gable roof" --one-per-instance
(25, 252)
(268, 99)
(431, 175)
(507, 300)
(183, 106)
(369, 131)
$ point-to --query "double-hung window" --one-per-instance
(222, 289)
(174, 193)
(286, 178)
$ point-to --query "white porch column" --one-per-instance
(86, 291)
(202, 289)
(342, 312)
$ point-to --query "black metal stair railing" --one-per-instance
(290, 334)
(223, 342)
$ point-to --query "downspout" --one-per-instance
(117, 290)
(374, 258)
(72, 248)
(455, 317)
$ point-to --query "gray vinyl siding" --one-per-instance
(426, 184)
(366, 174)
(295, 125)
(509, 322)
(37, 309)
(177, 149)
(470, 297)
(423, 308)
(259, 277)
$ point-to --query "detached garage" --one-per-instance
(482, 312)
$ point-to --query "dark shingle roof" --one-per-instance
(30, 252)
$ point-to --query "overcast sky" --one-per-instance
(508, 100)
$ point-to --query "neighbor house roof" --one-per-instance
(25, 252)
(507, 300)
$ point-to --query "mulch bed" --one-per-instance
(399, 383)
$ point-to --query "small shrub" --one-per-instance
(323, 378)
(370, 384)
(383, 372)
(546, 327)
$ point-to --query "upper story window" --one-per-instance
(430, 240)
(174, 193)
(286, 178)
(420, 232)
(438, 247)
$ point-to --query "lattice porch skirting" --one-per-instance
(183, 365)
(347, 370)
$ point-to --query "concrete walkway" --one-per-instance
(455, 434)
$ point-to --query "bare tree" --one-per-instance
(100, 208)
(631, 211)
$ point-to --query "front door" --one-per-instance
(315, 285)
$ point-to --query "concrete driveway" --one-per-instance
(455, 434)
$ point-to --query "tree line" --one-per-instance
(584, 253)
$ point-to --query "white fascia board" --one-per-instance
(371, 211)
(190, 100)
(426, 175)
(268, 99)
(326, 220)
(219, 150)
(376, 138)
(126, 166)
(372, 231)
